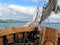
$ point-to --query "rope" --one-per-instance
(26, 36)
(49, 23)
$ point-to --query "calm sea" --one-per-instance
(54, 25)
(14, 24)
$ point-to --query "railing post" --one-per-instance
(5, 41)
(15, 37)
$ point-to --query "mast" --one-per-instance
(51, 6)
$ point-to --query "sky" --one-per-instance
(23, 2)
(23, 10)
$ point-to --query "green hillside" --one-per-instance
(7, 20)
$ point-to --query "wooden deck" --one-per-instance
(11, 31)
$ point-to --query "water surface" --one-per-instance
(15, 24)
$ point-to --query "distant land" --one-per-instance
(10, 21)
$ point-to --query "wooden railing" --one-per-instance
(13, 34)
(11, 30)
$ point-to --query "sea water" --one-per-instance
(17, 24)
(12, 24)
(52, 25)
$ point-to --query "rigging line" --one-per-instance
(48, 22)
(27, 35)
(37, 13)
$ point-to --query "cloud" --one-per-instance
(19, 12)
(0, 14)
(29, 10)
(23, 9)
(9, 13)
(59, 2)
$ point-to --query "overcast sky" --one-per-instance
(23, 9)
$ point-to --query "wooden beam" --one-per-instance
(50, 36)
(11, 30)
